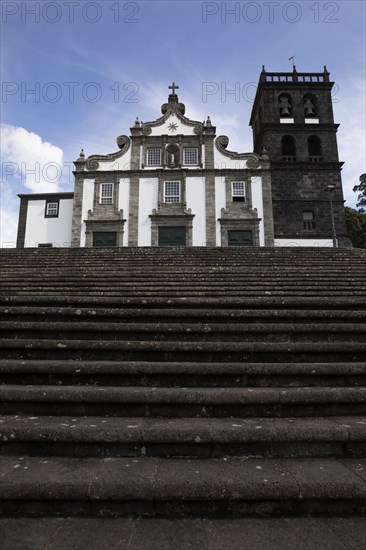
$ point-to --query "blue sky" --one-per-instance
(95, 66)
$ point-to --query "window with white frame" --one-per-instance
(154, 156)
(106, 193)
(190, 155)
(238, 191)
(52, 209)
(171, 191)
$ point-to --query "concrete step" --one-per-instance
(182, 437)
(171, 487)
(169, 374)
(287, 533)
(181, 402)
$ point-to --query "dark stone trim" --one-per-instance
(45, 196)
(22, 222)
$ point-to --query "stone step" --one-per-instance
(190, 369)
(291, 275)
(255, 533)
(207, 302)
(181, 332)
(170, 487)
(132, 350)
(181, 402)
(111, 314)
(55, 292)
(178, 437)
(141, 373)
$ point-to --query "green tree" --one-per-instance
(361, 189)
(356, 225)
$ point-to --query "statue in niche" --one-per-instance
(285, 106)
(309, 107)
(172, 155)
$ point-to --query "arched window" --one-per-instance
(310, 106)
(314, 148)
(288, 147)
(285, 105)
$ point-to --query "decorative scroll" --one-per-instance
(222, 142)
(123, 142)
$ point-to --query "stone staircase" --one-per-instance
(183, 398)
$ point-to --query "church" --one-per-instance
(175, 182)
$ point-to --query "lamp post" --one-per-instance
(330, 189)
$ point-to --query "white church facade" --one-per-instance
(172, 182)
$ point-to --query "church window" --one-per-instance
(171, 191)
(238, 191)
(51, 209)
(154, 156)
(288, 146)
(308, 222)
(314, 148)
(190, 155)
(106, 193)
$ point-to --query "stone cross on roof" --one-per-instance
(173, 87)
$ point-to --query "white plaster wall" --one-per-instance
(124, 204)
(48, 230)
(88, 201)
(222, 162)
(220, 202)
(257, 202)
(122, 163)
(196, 201)
(148, 190)
(303, 242)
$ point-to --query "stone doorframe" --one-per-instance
(92, 226)
(228, 224)
(171, 220)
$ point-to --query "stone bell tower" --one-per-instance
(292, 121)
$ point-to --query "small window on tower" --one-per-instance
(171, 191)
(190, 155)
(288, 147)
(154, 156)
(52, 208)
(315, 149)
(238, 191)
(308, 222)
(106, 193)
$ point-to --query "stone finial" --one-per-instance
(137, 121)
(208, 121)
(80, 163)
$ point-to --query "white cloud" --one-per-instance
(349, 111)
(25, 157)
(26, 160)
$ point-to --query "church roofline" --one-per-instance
(61, 195)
